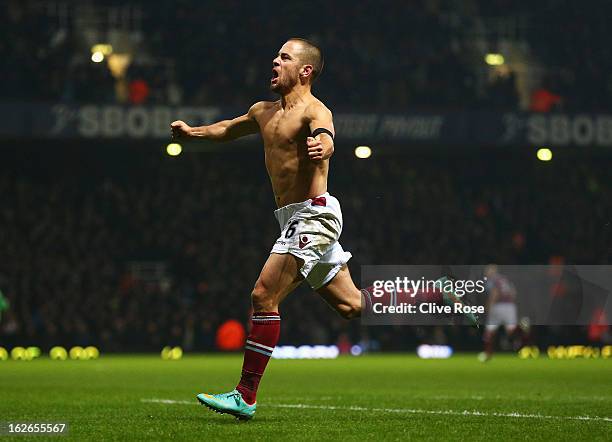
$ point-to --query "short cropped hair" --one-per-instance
(312, 55)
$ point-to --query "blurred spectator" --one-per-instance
(543, 99)
(139, 91)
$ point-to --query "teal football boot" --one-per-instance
(230, 403)
(450, 298)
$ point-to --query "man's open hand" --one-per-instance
(180, 129)
(317, 151)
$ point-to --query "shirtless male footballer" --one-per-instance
(298, 138)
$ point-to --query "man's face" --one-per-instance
(286, 68)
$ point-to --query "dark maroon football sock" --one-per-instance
(257, 352)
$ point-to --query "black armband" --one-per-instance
(322, 130)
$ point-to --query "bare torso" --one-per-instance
(294, 176)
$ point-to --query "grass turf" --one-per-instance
(388, 397)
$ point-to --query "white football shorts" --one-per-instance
(310, 231)
(502, 313)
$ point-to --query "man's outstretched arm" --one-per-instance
(225, 130)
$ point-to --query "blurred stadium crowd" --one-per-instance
(74, 224)
(389, 54)
(129, 250)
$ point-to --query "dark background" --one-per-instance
(114, 243)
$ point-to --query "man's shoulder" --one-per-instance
(261, 106)
(316, 108)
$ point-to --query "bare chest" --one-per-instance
(283, 129)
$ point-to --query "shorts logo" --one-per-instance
(304, 241)
(319, 201)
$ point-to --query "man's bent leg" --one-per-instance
(342, 294)
(279, 276)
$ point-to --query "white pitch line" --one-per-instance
(519, 398)
(168, 402)
(407, 411)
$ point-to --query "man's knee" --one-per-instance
(262, 297)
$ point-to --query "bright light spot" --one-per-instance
(544, 154)
(105, 49)
(363, 152)
(494, 59)
(434, 351)
(305, 352)
(174, 149)
(97, 57)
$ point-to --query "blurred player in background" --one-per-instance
(298, 138)
(501, 308)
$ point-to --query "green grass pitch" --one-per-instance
(380, 397)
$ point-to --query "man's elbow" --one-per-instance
(220, 135)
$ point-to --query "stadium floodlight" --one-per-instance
(363, 152)
(174, 149)
(493, 59)
(103, 48)
(97, 57)
(544, 154)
